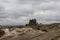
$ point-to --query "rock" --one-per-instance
(1, 33)
(37, 35)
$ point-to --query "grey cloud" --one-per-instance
(27, 8)
(21, 13)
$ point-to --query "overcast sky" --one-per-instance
(17, 12)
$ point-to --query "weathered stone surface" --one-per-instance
(36, 36)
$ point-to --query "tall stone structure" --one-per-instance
(32, 22)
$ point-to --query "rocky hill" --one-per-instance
(29, 34)
(31, 31)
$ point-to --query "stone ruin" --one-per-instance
(32, 22)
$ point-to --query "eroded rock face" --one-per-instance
(37, 36)
(31, 34)
(22, 32)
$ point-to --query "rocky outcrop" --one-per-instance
(30, 34)
(21, 32)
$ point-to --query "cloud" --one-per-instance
(16, 12)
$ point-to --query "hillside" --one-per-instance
(31, 31)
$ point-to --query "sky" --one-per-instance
(18, 12)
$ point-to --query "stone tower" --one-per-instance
(32, 22)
